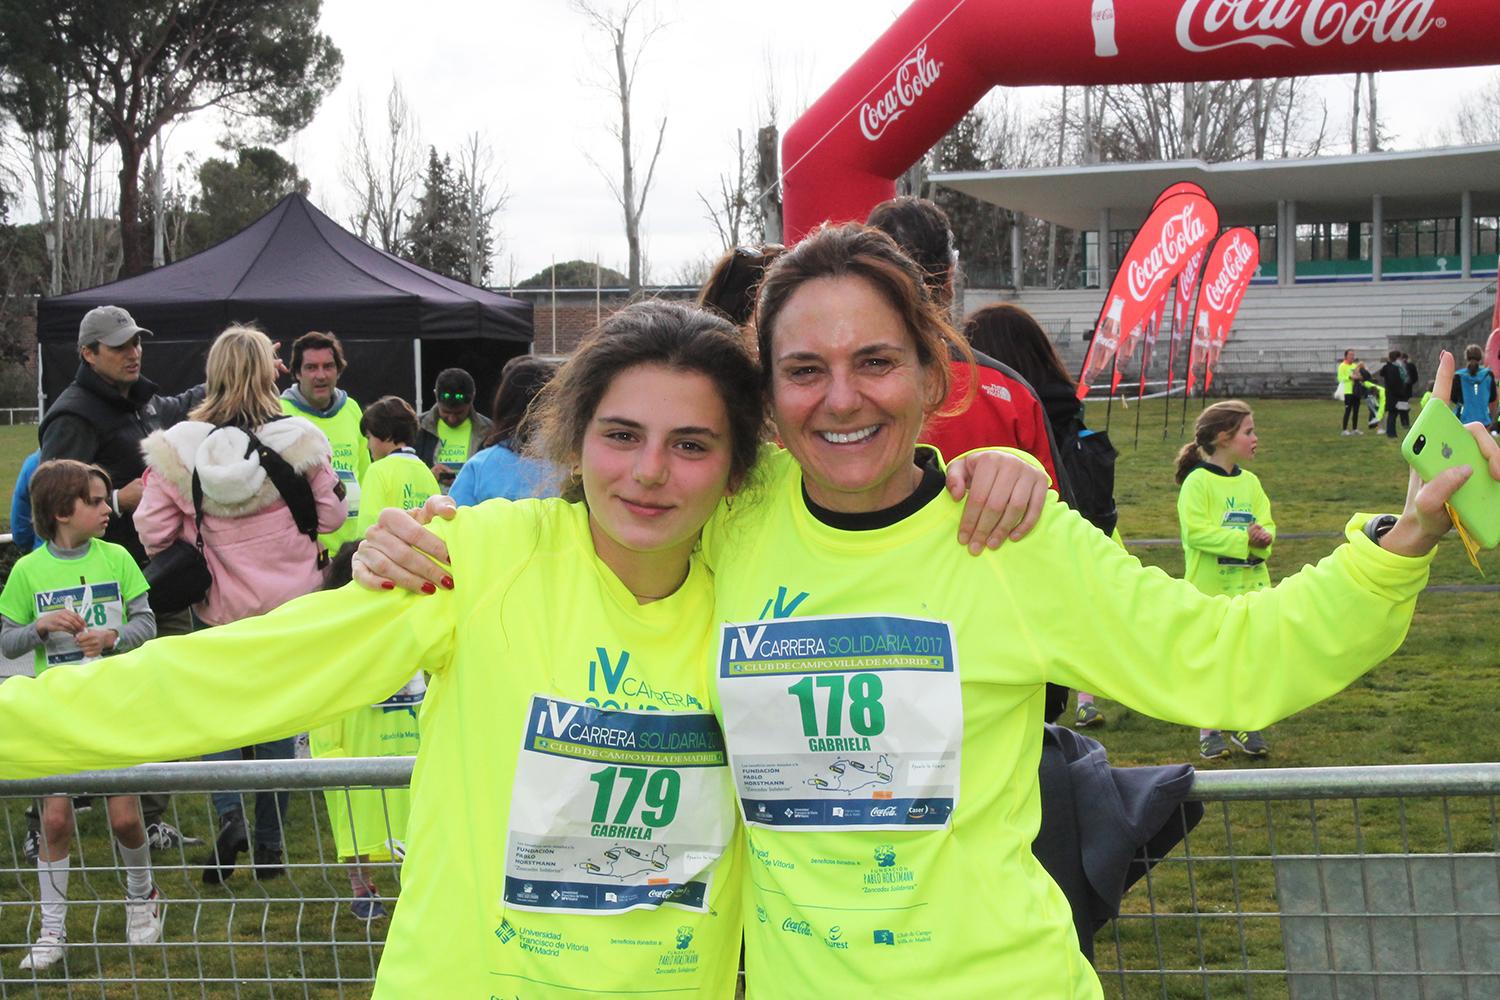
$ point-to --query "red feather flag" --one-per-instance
(1231, 265)
(1178, 227)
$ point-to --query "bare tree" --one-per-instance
(1359, 79)
(382, 175)
(615, 25)
(483, 196)
(66, 167)
(730, 208)
(1214, 121)
(1478, 117)
(767, 189)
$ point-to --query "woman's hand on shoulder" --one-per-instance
(396, 549)
(1005, 494)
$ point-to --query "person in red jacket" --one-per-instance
(1000, 409)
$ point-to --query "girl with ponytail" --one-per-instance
(1227, 531)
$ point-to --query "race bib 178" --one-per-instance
(616, 810)
(842, 723)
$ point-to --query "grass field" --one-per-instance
(1430, 702)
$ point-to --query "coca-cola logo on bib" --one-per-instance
(912, 80)
(1178, 235)
(1206, 25)
(1236, 256)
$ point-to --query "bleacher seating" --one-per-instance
(1286, 340)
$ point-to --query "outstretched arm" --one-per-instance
(311, 660)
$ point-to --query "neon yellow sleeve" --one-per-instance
(1163, 647)
(308, 662)
(1202, 527)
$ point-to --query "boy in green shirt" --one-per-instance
(73, 600)
(397, 477)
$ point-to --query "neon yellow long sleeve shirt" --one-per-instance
(1214, 512)
(882, 695)
(536, 621)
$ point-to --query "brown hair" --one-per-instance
(921, 229)
(316, 340)
(855, 251)
(241, 380)
(55, 485)
(1474, 354)
(390, 418)
(1215, 420)
(1008, 333)
(522, 378)
(669, 334)
(731, 285)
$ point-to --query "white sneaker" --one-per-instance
(46, 953)
(143, 919)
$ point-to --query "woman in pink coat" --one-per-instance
(258, 557)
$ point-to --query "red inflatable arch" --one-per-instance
(841, 158)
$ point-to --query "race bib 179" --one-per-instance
(616, 810)
(842, 723)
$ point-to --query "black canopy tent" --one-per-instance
(292, 270)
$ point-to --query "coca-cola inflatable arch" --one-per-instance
(841, 158)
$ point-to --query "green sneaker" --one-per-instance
(1087, 716)
(1251, 742)
(1213, 747)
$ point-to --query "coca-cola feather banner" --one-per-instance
(1177, 228)
(1231, 264)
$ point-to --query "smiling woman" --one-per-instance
(890, 796)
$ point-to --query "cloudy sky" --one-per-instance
(526, 76)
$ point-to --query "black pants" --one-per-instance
(1351, 410)
(1390, 420)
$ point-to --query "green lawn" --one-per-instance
(1429, 702)
(16, 442)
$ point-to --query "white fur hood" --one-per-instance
(234, 484)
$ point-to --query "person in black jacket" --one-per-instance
(100, 419)
(108, 409)
(1397, 393)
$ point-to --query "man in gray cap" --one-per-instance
(101, 418)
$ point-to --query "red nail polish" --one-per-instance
(428, 588)
(448, 582)
(387, 585)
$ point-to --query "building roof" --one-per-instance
(1419, 184)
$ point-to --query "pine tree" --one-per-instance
(435, 239)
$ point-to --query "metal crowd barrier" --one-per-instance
(1371, 883)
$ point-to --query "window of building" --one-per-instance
(1486, 234)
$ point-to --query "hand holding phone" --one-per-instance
(1437, 442)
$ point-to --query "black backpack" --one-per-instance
(1088, 460)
